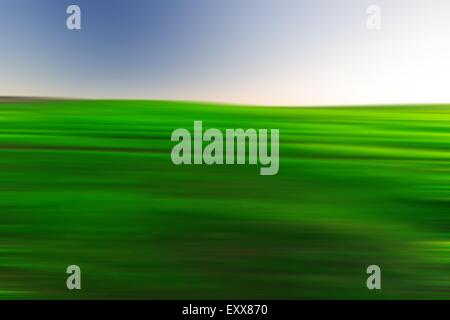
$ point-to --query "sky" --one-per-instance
(264, 52)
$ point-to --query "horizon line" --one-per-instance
(19, 98)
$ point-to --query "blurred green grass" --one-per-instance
(91, 183)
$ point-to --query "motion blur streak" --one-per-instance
(91, 183)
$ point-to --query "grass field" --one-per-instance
(91, 183)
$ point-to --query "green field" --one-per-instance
(91, 183)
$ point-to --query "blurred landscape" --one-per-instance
(91, 183)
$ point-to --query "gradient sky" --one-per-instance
(281, 52)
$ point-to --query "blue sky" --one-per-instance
(278, 52)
